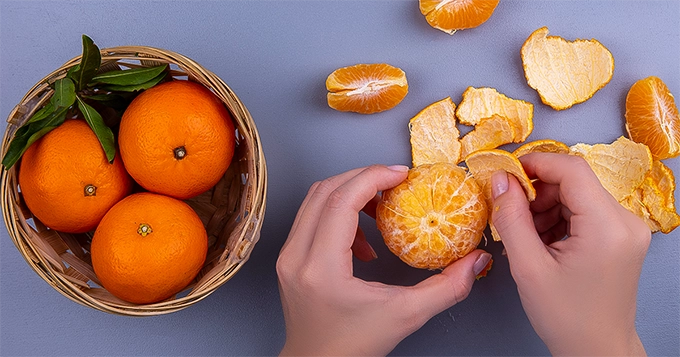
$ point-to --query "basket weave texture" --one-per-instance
(232, 211)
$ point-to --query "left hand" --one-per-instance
(330, 312)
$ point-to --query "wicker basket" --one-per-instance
(232, 211)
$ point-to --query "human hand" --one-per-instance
(578, 293)
(327, 310)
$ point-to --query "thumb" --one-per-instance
(514, 222)
(441, 291)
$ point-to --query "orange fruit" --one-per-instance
(148, 247)
(434, 135)
(620, 166)
(481, 103)
(490, 133)
(366, 88)
(652, 117)
(452, 15)
(66, 180)
(545, 145)
(565, 73)
(436, 216)
(177, 138)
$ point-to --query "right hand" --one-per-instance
(579, 293)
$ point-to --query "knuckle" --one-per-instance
(282, 267)
(325, 187)
(337, 199)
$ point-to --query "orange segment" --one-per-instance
(366, 88)
(434, 135)
(436, 216)
(480, 103)
(620, 166)
(565, 73)
(546, 145)
(652, 117)
(482, 164)
(490, 133)
(452, 15)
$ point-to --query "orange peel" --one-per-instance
(434, 135)
(545, 145)
(490, 133)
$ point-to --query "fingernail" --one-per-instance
(499, 183)
(398, 168)
(481, 263)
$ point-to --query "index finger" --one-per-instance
(340, 215)
(579, 188)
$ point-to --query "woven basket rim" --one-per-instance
(255, 202)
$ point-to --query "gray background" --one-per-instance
(276, 56)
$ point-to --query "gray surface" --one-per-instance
(276, 56)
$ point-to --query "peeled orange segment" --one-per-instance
(634, 204)
(546, 145)
(434, 217)
(434, 135)
(490, 133)
(482, 164)
(652, 117)
(366, 88)
(620, 166)
(480, 103)
(565, 73)
(452, 15)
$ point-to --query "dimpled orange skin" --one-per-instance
(433, 218)
(58, 168)
(172, 116)
(143, 269)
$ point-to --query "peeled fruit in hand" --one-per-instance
(148, 248)
(66, 180)
(436, 216)
(177, 139)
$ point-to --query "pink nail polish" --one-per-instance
(499, 183)
(481, 263)
(398, 168)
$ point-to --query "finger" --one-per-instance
(361, 248)
(340, 213)
(371, 206)
(514, 223)
(547, 196)
(302, 232)
(555, 233)
(543, 221)
(441, 291)
(579, 187)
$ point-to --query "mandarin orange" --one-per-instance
(177, 139)
(66, 180)
(148, 247)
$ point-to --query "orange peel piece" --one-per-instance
(658, 195)
(366, 88)
(634, 204)
(434, 217)
(620, 166)
(545, 145)
(480, 103)
(652, 117)
(490, 133)
(452, 15)
(434, 135)
(482, 164)
(565, 73)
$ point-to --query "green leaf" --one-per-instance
(29, 133)
(130, 77)
(82, 73)
(41, 114)
(103, 132)
(64, 93)
(135, 87)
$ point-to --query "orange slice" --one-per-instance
(490, 133)
(652, 117)
(482, 164)
(546, 145)
(452, 15)
(565, 73)
(366, 88)
(620, 166)
(480, 103)
(434, 135)
(436, 216)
